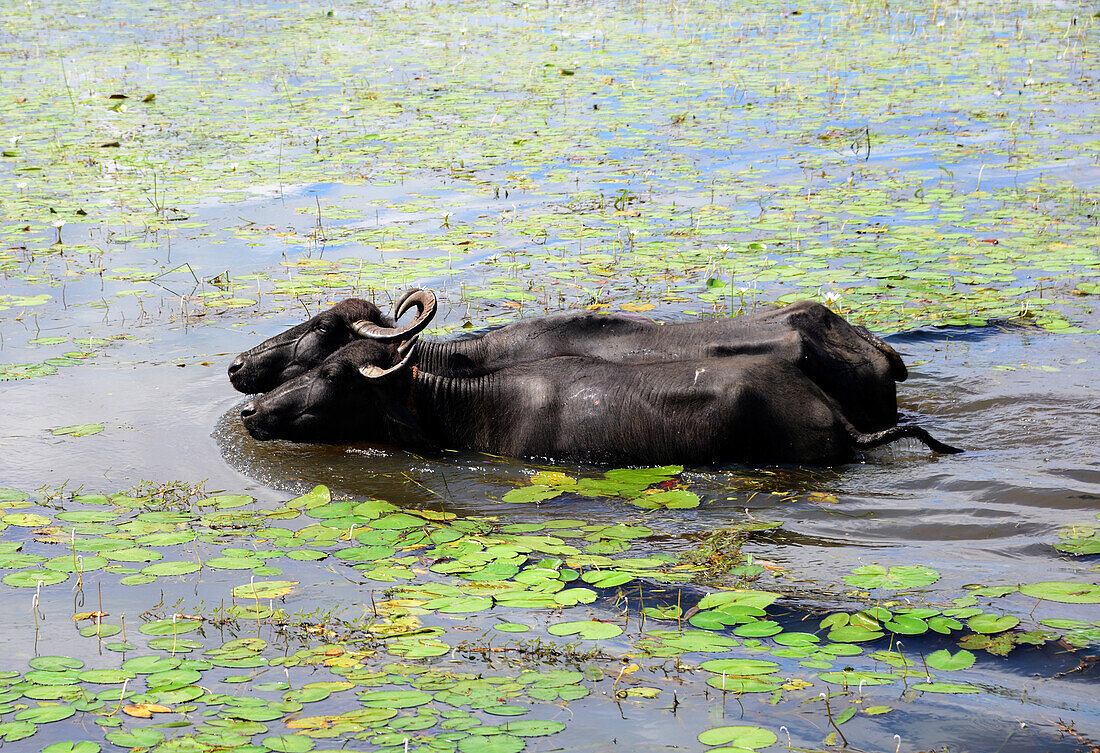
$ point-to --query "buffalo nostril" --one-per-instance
(234, 367)
(248, 409)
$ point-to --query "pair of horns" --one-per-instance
(404, 351)
(422, 300)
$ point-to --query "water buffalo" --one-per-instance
(854, 367)
(746, 408)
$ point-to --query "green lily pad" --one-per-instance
(587, 629)
(289, 743)
(34, 578)
(394, 699)
(84, 746)
(170, 627)
(269, 589)
(894, 578)
(1064, 592)
(55, 663)
(45, 714)
(731, 684)
(742, 736)
(740, 667)
(946, 687)
(945, 660)
(78, 430)
(498, 743)
(12, 731)
(532, 727)
(534, 493)
(158, 569)
(25, 520)
(225, 501)
(988, 624)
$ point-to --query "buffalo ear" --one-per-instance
(405, 352)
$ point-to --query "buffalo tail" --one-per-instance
(879, 438)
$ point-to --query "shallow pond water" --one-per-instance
(179, 183)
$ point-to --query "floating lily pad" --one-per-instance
(34, 578)
(894, 578)
(945, 660)
(946, 687)
(742, 736)
(170, 627)
(158, 569)
(990, 623)
(77, 430)
(271, 589)
(1063, 592)
(587, 629)
(45, 714)
(25, 520)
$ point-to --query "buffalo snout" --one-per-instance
(248, 409)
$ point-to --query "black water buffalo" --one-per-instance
(854, 367)
(747, 408)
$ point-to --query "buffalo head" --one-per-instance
(306, 345)
(357, 393)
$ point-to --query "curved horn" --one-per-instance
(376, 372)
(423, 300)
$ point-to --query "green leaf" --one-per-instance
(270, 589)
(158, 569)
(499, 743)
(587, 629)
(740, 667)
(533, 493)
(318, 496)
(25, 520)
(289, 743)
(394, 699)
(723, 600)
(532, 727)
(106, 676)
(674, 499)
(853, 634)
(946, 687)
(988, 624)
(1064, 592)
(45, 714)
(742, 736)
(12, 731)
(945, 660)
(894, 578)
(742, 684)
(225, 501)
(55, 663)
(66, 746)
(78, 430)
(33, 578)
(170, 627)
